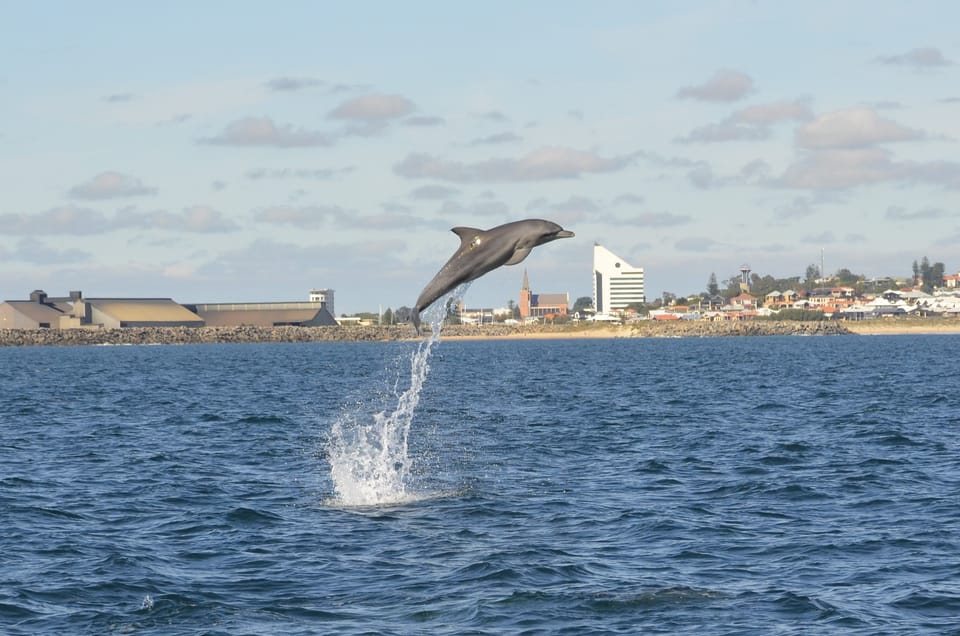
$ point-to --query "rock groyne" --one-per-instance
(201, 335)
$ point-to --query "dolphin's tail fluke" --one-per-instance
(415, 319)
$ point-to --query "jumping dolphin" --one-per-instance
(484, 250)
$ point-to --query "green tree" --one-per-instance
(712, 287)
(811, 276)
(936, 274)
(582, 303)
(927, 275)
(386, 318)
(732, 286)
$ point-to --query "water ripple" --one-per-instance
(659, 487)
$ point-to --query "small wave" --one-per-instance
(673, 595)
(796, 604)
(929, 603)
(262, 419)
(249, 516)
(404, 499)
(16, 612)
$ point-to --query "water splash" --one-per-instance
(369, 452)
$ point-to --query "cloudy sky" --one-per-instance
(248, 151)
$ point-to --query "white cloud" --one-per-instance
(33, 251)
(925, 57)
(696, 244)
(66, 219)
(799, 208)
(314, 217)
(457, 210)
(726, 131)
(262, 131)
(725, 86)
(542, 164)
(897, 213)
(852, 128)
(433, 192)
(306, 217)
(580, 208)
(574, 205)
(774, 112)
(494, 116)
(199, 219)
(840, 168)
(373, 108)
(110, 185)
(117, 98)
(424, 121)
(823, 238)
(196, 218)
(288, 84)
(77, 221)
(499, 138)
(751, 123)
(628, 198)
(755, 172)
(319, 174)
(656, 219)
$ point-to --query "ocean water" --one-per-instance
(677, 486)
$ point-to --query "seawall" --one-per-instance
(199, 335)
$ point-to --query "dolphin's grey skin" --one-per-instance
(484, 250)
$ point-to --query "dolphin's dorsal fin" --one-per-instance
(518, 255)
(466, 234)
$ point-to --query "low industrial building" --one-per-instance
(40, 312)
(75, 311)
(115, 313)
(300, 314)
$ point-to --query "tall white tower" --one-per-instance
(324, 297)
(616, 283)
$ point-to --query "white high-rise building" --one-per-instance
(324, 297)
(616, 283)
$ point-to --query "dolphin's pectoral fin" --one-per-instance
(518, 255)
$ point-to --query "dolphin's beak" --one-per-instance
(565, 234)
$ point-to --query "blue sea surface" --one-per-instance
(660, 486)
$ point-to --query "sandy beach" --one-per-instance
(904, 326)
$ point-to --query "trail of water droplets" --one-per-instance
(368, 452)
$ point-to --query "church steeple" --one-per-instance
(526, 297)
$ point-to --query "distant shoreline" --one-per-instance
(400, 333)
(904, 326)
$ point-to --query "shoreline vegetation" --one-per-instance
(396, 333)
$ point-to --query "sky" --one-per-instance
(251, 151)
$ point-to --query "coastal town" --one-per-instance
(618, 300)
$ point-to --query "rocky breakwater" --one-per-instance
(201, 335)
(708, 329)
(198, 335)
